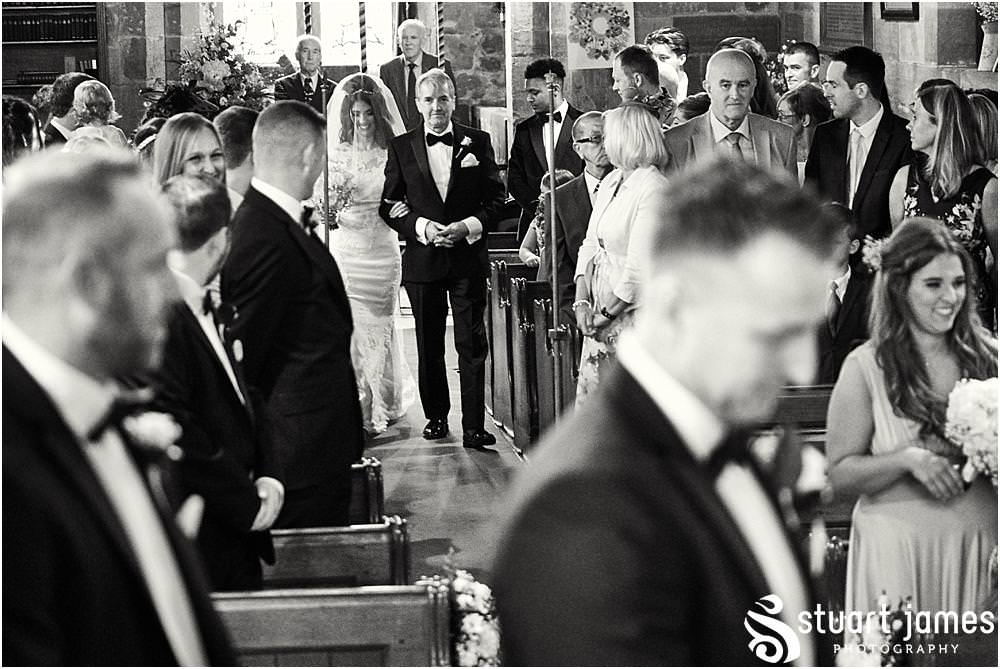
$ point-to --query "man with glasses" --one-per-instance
(574, 203)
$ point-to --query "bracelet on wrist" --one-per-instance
(581, 303)
(607, 314)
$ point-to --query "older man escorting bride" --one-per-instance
(362, 118)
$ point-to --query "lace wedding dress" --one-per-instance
(367, 252)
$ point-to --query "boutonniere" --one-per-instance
(463, 149)
(154, 431)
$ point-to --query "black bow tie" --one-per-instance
(306, 219)
(224, 313)
(544, 116)
(735, 449)
(446, 138)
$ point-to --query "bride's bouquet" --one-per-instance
(341, 192)
(971, 424)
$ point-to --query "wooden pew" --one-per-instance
(541, 321)
(404, 625)
(523, 359)
(355, 555)
(367, 492)
(500, 343)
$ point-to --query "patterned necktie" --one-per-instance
(411, 93)
(735, 152)
(833, 305)
(307, 86)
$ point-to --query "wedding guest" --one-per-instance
(691, 106)
(635, 77)
(915, 531)
(188, 144)
(228, 458)
(42, 102)
(803, 108)
(295, 320)
(801, 64)
(307, 84)
(847, 300)
(640, 530)
(143, 141)
(235, 127)
(96, 570)
(21, 130)
(402, 72)
(629, 205)
(63, 120)
(986, 117)
(533, 251)
(729, 127)
(764, 100)
(670, 48)
(95, 108)
(854, 156)
(529, 151)
(948, 181)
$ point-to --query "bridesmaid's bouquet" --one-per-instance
(972, 426)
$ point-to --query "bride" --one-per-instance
(362, 119)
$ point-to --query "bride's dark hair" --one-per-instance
(364, 88)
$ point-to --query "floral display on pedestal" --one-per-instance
(597, 31)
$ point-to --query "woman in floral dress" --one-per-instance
(948, 181)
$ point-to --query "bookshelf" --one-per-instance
(43, 40)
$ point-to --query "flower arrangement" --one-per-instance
(341, 191)
(871, 253)
(218, 72)
(475, 630)
(600, 28)
(987, 11)
(971, 424)
(880, 642)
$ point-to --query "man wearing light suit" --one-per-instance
(728, 128)
(401, 73)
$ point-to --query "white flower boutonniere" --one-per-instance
(464, 151)
(157, 431)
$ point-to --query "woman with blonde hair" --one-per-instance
(188, 144)
(916, 531)
(948, 181)
(95, 110)
(628, 205)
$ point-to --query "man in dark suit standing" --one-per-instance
(295, 320)
(95, 568)
(574, 203)
(306, 85)
(855, 156)
(447, 174)
(229, 460)
(401, 73)
(63, 120)
(641, 535)
(529, 152)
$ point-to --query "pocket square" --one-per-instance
(469, 161)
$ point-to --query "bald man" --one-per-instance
(729, 128)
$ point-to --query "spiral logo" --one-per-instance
(770, 639)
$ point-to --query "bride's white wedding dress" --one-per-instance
(367, 252)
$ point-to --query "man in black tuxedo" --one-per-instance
(847, 301)
(854, 156)
(294, 320)
(528, 154)
(641, 534)
(401, 73)
(447, 174)
(229, 460)
(63, 120)
(574, 204)
(96, 570)
(307, 84)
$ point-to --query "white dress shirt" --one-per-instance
(288, 204)
(235, 200)
(439, 159)
(842, 282)
(82, 401)
(63, 130)
(720, 132)
(593, 186)
(867, 130)
(740, 491)
(562, 109)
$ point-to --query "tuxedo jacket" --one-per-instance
(773, 143)
(73, 592)
(393, 74)
(290, 88)
(473, 190)
(619, 551)
(851, 328)
(295, 326)
(572, 212)
(528, 162)
(51, 135)
(826, 169)
(226, 446)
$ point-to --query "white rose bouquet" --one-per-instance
(476, 632)
(971, 424)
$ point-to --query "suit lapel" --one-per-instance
(839, 166)
(851, 298)
(603, 199)
(761, 141)
(419, 146)
(702, 144)
(564, 142)
(879, 143)
(537, 143)
(456, 148)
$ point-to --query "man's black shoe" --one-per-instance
(478, 439)
(437, 428)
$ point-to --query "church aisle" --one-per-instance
(449, 495)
